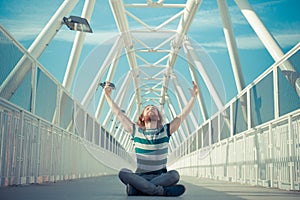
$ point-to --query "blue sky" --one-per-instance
(24, 19)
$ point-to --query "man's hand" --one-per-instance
(125, 121)
(194, 92)
(107, 89)
(175, 123)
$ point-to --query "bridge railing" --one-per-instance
(45, 134)
(254, 139)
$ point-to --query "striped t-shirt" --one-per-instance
(151, 148)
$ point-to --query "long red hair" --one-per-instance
(141, 122)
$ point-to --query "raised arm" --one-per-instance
(175, 123)
(125, 121)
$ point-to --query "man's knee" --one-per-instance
(123, 172)
(174, 175)
(123, 175)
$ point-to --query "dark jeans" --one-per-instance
(149, 184)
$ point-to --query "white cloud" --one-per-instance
(211, 18)
(24, 20)
(209, 22)
(24, 30)
(288, 39)
(253, 42)
(100, 37)
(90, 38)
(28, 30)
(263, 5)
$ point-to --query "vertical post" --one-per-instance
(93, 132)
(105, 139)
(291, 152)
(72, 126)
(210, 139)
(202, 138)
(19, 157)
(256, 163)
(235, 159)
(189, 145)
(116, 147)
(276, 92)
(100, 135)
(244, 152)
(270, 147)
(108, 142)
(209, 132)
(51, 153)
(84, 125)
(219, 125)
(33, 87)
(231, 120)
(2, 124)
(62, 158)
(71, 157)
(197, 137)
(249, 124)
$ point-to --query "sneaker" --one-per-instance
(175, 190)
(131, 191)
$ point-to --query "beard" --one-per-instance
(150, 118)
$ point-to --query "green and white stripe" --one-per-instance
(151, 147)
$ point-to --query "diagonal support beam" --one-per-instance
(189, 49)
(233, 53)
(186, 20)
(270, 43)
(122, 23)
(231, 45)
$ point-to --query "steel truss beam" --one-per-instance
(122, 23)
(186, 20)
(233, 53)
(231, 45)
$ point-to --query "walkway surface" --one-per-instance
(110, 188)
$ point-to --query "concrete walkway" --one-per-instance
(110, 188)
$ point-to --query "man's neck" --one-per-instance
(151, 125)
